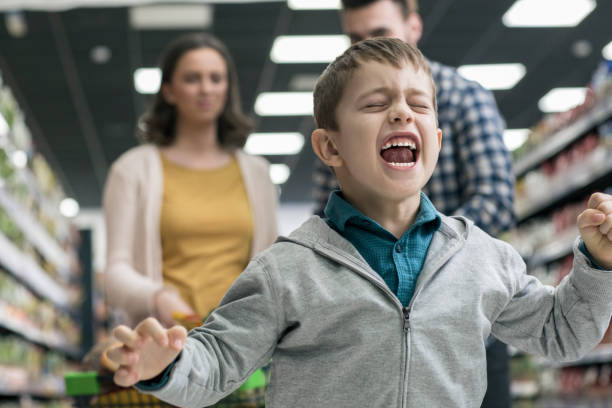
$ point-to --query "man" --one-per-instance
(474, 175)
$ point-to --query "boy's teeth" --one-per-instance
(410, 145)
(402, 164)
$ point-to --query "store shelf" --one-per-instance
(15, 381)
(52, 341)
(28, 271)
(36, 234)
(600, 355)
(556, 249)
(557, 142)
(578, 178)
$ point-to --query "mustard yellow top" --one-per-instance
(206, 231)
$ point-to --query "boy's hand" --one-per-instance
(595, 225)
(147, 350)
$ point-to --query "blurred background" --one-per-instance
(76, 75)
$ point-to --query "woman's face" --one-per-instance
(198, 86)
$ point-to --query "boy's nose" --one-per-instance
(401, 113)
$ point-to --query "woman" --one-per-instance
(186, 210)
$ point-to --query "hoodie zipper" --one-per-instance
(406, 313)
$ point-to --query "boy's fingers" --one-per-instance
(151, 327)
(176, 337)
(605, 207)
(126, 335)
(123, 356)
(125, 378)
(597, 198)
(590, 218)
(606, 226)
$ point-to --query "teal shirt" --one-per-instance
(397, 261)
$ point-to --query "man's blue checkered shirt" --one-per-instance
(474, 175)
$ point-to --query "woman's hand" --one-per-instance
(595, 225)
(166, 302)
(147, 350)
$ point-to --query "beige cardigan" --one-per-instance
(132, 206)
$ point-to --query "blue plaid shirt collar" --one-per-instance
(339, 212)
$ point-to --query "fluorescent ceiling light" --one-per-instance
(69, 207)
(147, 80)
(59, 5)
(561, 99)
(514, 138)
(547, 13)
(607, 51)
(196, 16)
(284, 104)
(279, 173)
(274, 143)
(494, 76)
(291, 49)
(314, 4)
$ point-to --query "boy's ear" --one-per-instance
(325, 147)
(439, 138)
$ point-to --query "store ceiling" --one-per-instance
(82, 114)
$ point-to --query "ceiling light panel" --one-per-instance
(274, 143)
(147, 80)
(181, 16)
(607, 51)
(561, 99)
(284, 104)
(548, 13)
(494, 76)
(279, 173)
(314, 4)
(515, 138)
(302, 49)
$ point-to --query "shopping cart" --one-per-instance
(96, 389)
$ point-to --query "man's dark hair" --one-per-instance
(407, 6)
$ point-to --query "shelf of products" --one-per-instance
(567, 157)
(29, 369)
(556, 142)
(40, 275)
(547, 186)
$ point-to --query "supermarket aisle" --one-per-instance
(74, 97)
(566, 157)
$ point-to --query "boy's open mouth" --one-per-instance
(400, 151)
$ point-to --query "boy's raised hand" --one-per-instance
(595, 225)
(147, 350)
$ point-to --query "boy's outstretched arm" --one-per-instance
(147, 350)
(565, 322)
(595, 226)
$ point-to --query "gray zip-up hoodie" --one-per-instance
(338, 337)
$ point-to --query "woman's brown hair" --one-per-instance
(158, 124)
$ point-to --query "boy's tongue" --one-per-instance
(398, 155)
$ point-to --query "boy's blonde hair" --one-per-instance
(333, 80)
